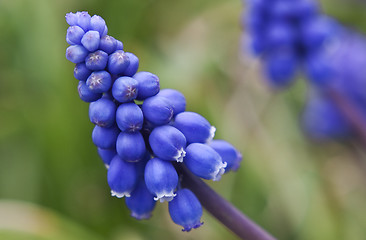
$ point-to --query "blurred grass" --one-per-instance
(294, 188)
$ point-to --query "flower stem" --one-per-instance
(351, 113)
(221, 209)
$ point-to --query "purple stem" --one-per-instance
(351, 113)
(221, 209)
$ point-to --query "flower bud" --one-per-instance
(81, 72)
(204, 161)
(74, 35)
(97, 24)
(129, 117)
(176, 98)
(107, 155)
(124, 89)
(141, 202)
(118, 62)
(131, 146)
(102, 112)
(107, 44)
(76, 53)
(119, 45)
(97, 60)
(91, 40)
(168, 143)
(194, 127)
(134, 65)
(83, 20)
(99, 81)
(85, 94)
(157, 110)
(148, 84)
(161, 179)
(105, 138)
(122, 177)
(186, 210)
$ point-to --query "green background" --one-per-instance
(52, 182)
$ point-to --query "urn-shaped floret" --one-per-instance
(186, 210)
(118, 62)
(105, 138)
(85, 94)
(228, 154)
(148, 84)
(129, 117)
(141, 202)
(176, 98)
(131, 146)
(122, 177)
(203, 161)
(124, 89)
(157, 110)
(102, 112)
(107, 155)
(161, 179)
(168, 143)
(194, 127)
(76, 53)
(99, 81)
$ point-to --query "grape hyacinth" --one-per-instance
(295, 35)
(143, 134)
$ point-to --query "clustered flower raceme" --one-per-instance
(140, 130)
(293, 35)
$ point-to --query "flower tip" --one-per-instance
(189, 228)
(212, 134)
(219, 172)
(120, 195)
(165, 197)
(139, 217)
(180, 155)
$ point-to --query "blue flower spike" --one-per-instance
(186, 210)
(141, 132)
(161, 179)
(122, 177)
(195, 127)
(168, 143)
(141, 202)
(203, 161)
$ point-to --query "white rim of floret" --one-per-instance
(180, 155)
(106, 166)
(220, 169)
(212, 134)
(120, 195)
(141, 216)
(165, 196)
